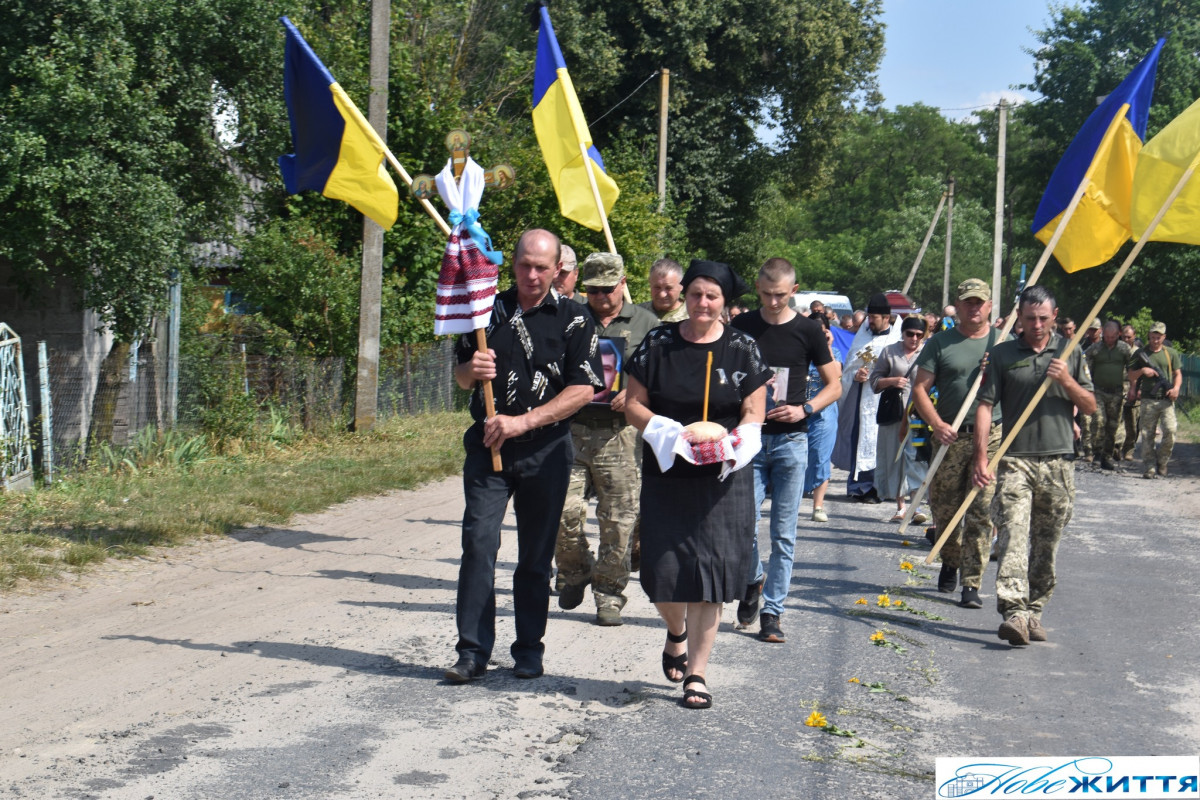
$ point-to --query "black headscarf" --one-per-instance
(732, 285)
(913, 323)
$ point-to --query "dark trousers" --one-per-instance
(535, 477)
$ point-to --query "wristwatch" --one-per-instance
(808, 409)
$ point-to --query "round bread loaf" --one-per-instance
(704, 432)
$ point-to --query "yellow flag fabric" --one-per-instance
(1100, 224)
(359, 177)
(1102, 157)
(563, 135)
(1162, 163)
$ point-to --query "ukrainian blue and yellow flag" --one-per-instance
(1106, 147)
(1163, 161)
(338, 153)
(562, 133)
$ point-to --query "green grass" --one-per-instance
(164, 491)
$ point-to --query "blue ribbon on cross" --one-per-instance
(470, 221)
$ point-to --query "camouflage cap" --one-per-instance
(602, 269)
(1095, 326)
(1159, 327)
(973, 287)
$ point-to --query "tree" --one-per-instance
(109, 163)
(860, 233)
(734, 66)
(1082, 55)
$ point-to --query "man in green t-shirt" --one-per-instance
(1155, 378)
(949, 363)
(1106, 360)
(1035, 482)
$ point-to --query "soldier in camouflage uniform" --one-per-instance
(950, 362)
(1035, 490)
(666, 291)
(605, 454)
(1156, 378)
(1089, 424)
(1106, 360)
(1131, 412)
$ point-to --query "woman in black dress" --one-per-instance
(697, 518)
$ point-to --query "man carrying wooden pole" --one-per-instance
(1036, 487)
(950, 362)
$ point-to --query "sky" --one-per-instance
(954, 54)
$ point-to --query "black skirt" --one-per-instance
(696, 536)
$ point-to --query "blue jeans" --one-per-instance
(822, 433)
(781, 463)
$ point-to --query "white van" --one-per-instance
(801, 301)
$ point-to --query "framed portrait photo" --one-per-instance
(612, 356)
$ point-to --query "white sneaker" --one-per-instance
(819, 515)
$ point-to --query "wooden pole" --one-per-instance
(912, 273)
(662, 139)
(998, 241)
(366, 393)
(587, 163)
(1011, 319)
(1066, 351)
(949, 226)
(707, 382)
(612, 248)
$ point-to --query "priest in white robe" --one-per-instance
(857, 429)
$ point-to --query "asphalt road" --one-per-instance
(306, 663)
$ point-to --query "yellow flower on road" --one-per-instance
(815, 720)
(906, 566)
(883, 601)
(854, 680)
(877, 636)
(897, 602)
(862, 601)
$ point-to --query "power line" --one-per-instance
(653, 75)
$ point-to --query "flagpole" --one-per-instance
(1010, 320)
(612, 248)
(429, 209)
(1066, 351)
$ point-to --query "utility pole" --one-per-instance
(949, 226)
(662, 139)
(366, 395)
(998, 243)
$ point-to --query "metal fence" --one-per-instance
(1190, 365)
(227, 389)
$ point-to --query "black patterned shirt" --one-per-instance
(539, 353)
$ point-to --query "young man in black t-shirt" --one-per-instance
(789, 342)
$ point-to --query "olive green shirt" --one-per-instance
(1108, 365)
(1014, 373)
(954, 360)
(1166, 360)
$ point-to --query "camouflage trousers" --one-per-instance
(605, 464)
(1130, 416)
(1035, 497)
(1109, 435)
(1087, 431)
(1157, 414)
(970, 547)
